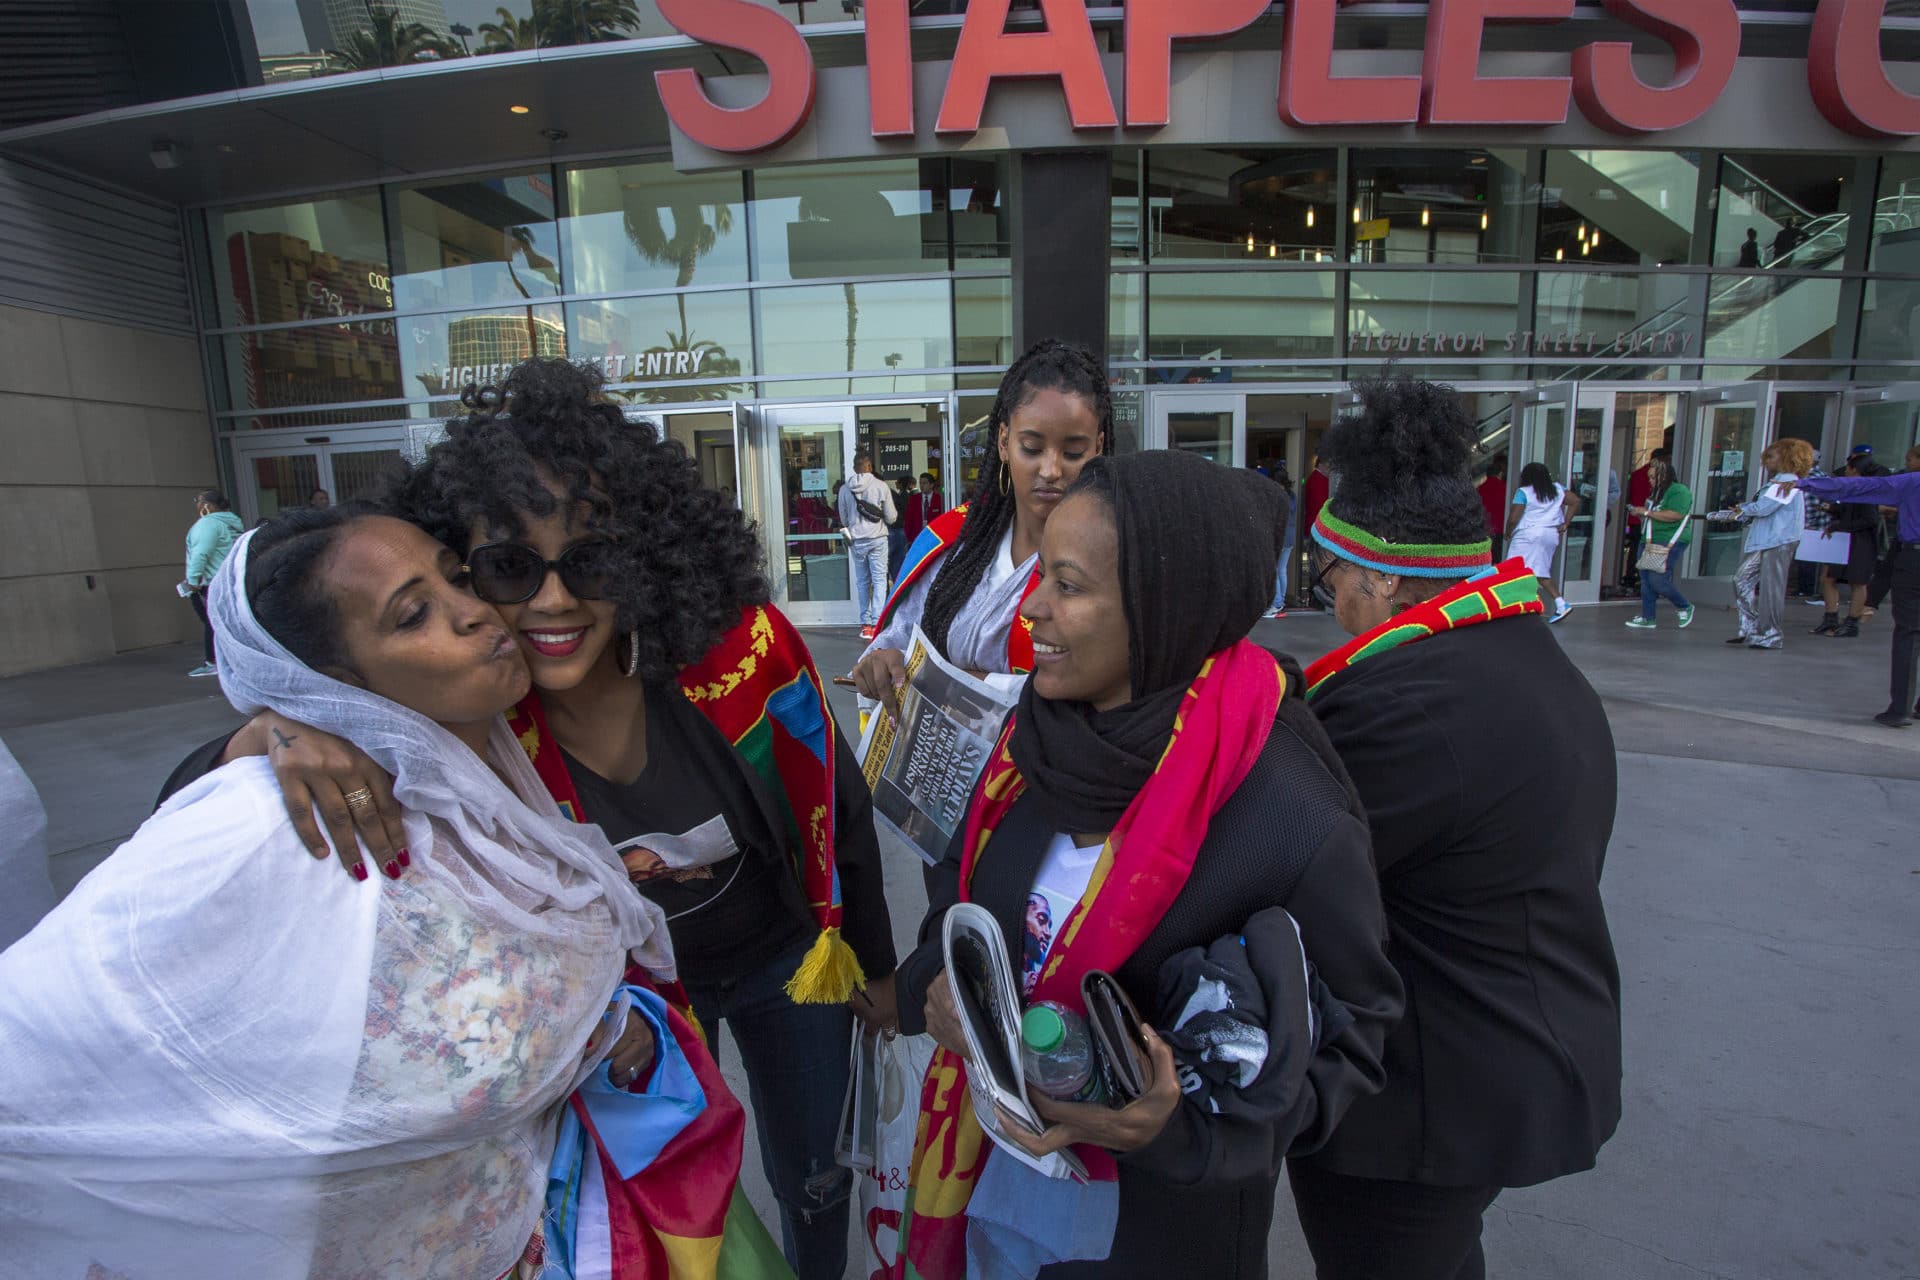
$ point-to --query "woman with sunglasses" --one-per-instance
(679, 711)
(965, 575)
(1487, 768)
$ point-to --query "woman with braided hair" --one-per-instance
(966, 575)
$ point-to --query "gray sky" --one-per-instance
(276, 23)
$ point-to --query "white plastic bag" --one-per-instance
(895, 1067)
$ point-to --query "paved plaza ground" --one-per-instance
(1763, 886)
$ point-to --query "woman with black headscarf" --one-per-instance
(1165, 788)
(1487, 768)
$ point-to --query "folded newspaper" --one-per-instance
(988, 1002)
(922, 771)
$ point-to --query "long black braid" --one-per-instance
(1048, 365)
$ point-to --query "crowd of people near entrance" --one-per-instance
(424, 971)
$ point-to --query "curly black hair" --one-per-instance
(692, 561)
(1047, 365)
(1400, 464)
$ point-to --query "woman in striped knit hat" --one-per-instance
(1487, 769)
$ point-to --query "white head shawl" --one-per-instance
(223, 1057)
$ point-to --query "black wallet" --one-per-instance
(1119, 1052)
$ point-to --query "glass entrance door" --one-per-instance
(277, 476)
(1212, 426)
(1722, 462)
(1544, 420)
(815, 446)
(1888, 418)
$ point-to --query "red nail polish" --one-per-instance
(392, 869)
(405, 860)
(359, 871)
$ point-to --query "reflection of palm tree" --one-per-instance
(708, 357)
(561, 22)
(693, 238)
(853, 325)
(389, 42)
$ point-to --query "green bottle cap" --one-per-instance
(1042, 1029)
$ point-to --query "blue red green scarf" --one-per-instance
(934, 541)
(759, 687)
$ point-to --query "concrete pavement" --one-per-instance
(1763, 886)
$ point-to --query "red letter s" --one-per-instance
(738, 24)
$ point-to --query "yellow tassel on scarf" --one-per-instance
(830, 974)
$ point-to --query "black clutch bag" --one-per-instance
(1118, 1046)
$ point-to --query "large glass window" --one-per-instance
(1890, 328)
(1896, 216)
(1196, 317)
(1763, 319)
(646, 226)
(1126, 317)
(982, 215)
(300, 261)
(861, 328)
(1618, 207)
(859, 218)
(1782, 211)
(1243, 205)
(1615, 315)
(444, 355)
(1438, 206)
(1408, 315)
(476, 241)
(1126, 214)
(324, 364)
(667, 338)
(983, 321)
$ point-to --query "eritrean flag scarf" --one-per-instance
(1505, 591)
(759, 687)
(1217, 735)
(934, 541)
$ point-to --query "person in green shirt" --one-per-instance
(1665, 519)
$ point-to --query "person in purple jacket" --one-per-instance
(1903, 492)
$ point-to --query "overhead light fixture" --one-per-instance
(1309, 215)
(1483, 220)
(1594, 239)
(1584, 246)
(1559, 255)
(1249, 242)
(1356, 214)
(1424, 215)
(1273, 250)
(164, 155)
(519, 110)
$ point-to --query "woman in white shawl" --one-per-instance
(221, 1060)
(964, 577)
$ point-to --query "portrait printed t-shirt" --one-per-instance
(1057, 888)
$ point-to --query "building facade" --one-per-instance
(843, 248)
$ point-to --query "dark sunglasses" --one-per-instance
(510, 573)
(1323, 563)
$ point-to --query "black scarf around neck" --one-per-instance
(1198, 546)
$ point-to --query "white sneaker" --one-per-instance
(205, 669)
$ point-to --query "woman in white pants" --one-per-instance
(1541, 510)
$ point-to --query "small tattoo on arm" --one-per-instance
(282, 740)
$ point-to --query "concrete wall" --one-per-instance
(104, 440)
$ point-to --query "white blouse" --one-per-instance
(977, 640)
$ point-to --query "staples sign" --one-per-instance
(1601, 80)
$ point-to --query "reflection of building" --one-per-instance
(345, 17)
(475, 341)
(279, 278)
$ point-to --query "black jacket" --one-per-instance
(865, 923)
(1292, 835)
(1487, 767)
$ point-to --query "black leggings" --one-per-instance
(1373, 1229)
(198, 599)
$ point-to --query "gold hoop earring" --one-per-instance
(1006, 481)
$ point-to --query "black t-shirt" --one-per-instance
(694, 837)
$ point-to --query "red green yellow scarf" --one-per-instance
(759, 688)
(1219, 732)
(1508, 591)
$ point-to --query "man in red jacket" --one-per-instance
(1493, 499)
(922, 507)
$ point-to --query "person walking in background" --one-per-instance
(897, 534)
(1493, 500)
(1505, 1069)
(1902, 492)
(319, 499)
(1861, 523)
(1775, 520)
(208, 542)
(1639, 491)
(923, 507)
(1750, 250)
(1541, 509)
(1665, 515)
(866, 510)
(1290, 532)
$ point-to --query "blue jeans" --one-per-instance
(869, 557)
(1280, 581)
(796, 1056)
(1655, 587)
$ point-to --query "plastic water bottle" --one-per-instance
(1057, 1053)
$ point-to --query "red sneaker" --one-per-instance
(867, 633)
